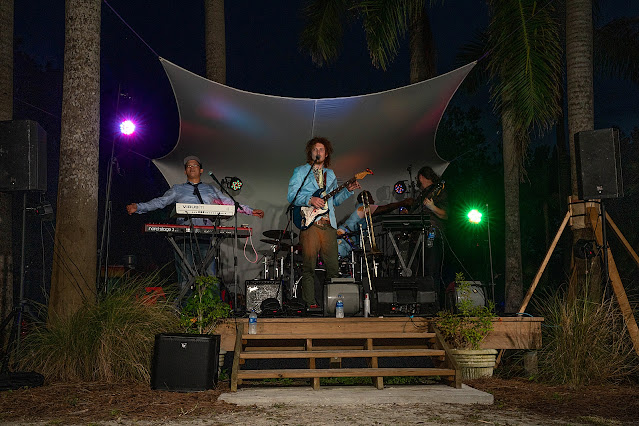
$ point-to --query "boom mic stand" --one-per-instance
(237, 205)
(289, 213)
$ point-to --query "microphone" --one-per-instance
(214, 178)
(317, 158)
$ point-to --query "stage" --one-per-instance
(508, 332)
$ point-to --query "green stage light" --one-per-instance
(474, 216)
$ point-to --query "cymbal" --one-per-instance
(273, 242)
(278, 234)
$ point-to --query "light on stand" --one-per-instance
(233, 183)
(127, 127)
(400, 187)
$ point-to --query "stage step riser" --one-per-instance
(344, 372)
(343, 354)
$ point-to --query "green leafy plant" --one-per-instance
(467, 328)
(204, 309)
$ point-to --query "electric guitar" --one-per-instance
(303, 217)
(431, 193)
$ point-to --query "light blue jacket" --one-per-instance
(310, 186)
(184, 193)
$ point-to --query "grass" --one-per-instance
(110, 341)
(584, 342)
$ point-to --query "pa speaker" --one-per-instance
(404, 296)
(598, 164)
(23, 156)
(185, 362)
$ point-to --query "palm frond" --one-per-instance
(616, 48)
(322, 36)
(474, 51)
(385, 24)
(525, 61)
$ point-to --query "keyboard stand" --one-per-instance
(406, 269)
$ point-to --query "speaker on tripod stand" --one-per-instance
(22, 169)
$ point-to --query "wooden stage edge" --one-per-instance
(508, 332)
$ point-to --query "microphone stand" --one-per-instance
(237, 205)
(289, 214)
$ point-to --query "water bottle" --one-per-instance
(431, 237)
(252, 328)
(367, 306)
(339, 307)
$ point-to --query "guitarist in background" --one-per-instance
(321, 237)
(433, 200)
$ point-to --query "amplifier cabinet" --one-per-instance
(185, 362)
(259, 290)
(404, 296)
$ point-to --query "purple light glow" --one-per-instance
(127, 127)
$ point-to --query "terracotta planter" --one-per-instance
(475, 363)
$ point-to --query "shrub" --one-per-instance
(584, 342)
(204, 309)
(109, 341)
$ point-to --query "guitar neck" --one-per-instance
(339, 188)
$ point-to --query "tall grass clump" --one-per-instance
(110, 341)
(584, 342)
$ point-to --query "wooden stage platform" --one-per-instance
(508, 332)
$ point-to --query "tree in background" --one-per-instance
(215, 40)
(74, 276)
(6, 113)
(384, 22)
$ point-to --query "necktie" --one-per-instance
(196, 192)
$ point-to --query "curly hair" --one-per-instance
(429, 174)
(328, 146)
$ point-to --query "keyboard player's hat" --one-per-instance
(192, 157)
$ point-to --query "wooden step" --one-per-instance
(338, 336)
(340, 353)
(343, 372)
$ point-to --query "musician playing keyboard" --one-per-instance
(193, 191)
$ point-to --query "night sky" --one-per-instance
(262, 56)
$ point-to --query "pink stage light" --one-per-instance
(127, 127)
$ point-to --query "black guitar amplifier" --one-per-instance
(403, 296)
(258, 291)
(185, 362)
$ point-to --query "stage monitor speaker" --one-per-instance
(598, 164)
(185, 362)
(23, 156)
(351, 294)
(404, 296)
(257, 291)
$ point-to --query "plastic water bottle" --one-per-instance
(252, 328)
(339, 307)
(367, 306)
(431, 237)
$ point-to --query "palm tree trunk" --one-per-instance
(580, 97)
(6, 113)
(423, 56)
(512, 170)
(215, 40)
(74, 276)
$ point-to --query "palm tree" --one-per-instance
(73, 277)
(384, 23)
(215, 40)
(6, 113)
(524, 63)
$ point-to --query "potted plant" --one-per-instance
(465, 329)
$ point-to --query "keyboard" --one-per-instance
(218, 231)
